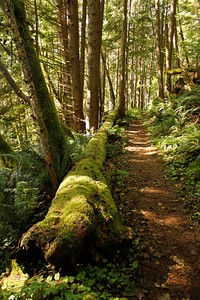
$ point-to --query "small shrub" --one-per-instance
(178, 139)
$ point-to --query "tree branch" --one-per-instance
(13, 83)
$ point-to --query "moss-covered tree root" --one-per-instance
(83, 218)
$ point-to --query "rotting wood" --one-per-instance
(83, 217)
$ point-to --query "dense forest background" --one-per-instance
(65, 65)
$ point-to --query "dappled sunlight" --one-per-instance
(168, 220)
(148, 150)
(153, 190)
(171, 244)
(179, 273)
(152, 152)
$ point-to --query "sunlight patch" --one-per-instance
(179, 274)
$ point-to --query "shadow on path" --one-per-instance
(170, 262)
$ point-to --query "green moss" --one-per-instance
(83, 207)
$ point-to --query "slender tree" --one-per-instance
(13, 83)
(159, 43)
(65, 86)
(94, 46)
(122, 106)
(170, 43)
(83, 45)
(74, 63)
(52, 139)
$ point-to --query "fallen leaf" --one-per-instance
(157, 285)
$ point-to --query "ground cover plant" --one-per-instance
(175, 128)
(110, 278)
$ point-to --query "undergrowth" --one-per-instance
(24, 199)
(111, 278)
(175, 128)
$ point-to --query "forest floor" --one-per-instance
(169, 267)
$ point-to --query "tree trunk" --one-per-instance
(83, 218)
(65, 81)
(12, 83)
(74, 63)
(83, 43)
(159, 50)
(122, 101)
(94, 45)
(112, 93)
(52, 139)
(183, 40)
(172, 26)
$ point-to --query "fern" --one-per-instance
(178, 139)
(25, 202)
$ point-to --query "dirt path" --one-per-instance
(170, 262)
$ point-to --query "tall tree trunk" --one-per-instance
(74, 63)
(94, 46)
(52, 139)
(178, 60)
(112, 93)
(65, 81)
(183, 40)
(83, 43)
(172, 25)
(159, 50)
(122, 107)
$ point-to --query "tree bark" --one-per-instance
(112, 93)
(65, 80)
(171, 36)
(74, 64)
(83, 218)
(94, 45)
(122, 101)
(83, 43)
(159, 50)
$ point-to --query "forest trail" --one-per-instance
(169, 268)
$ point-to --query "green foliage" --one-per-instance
(189, 103)
(134, 113)
(116, 141)
(178, 138)
(23, 192)
(111, 279)
(78, 144)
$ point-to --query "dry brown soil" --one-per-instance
(170, 262)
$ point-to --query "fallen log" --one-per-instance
(82, 219)
(182, 70)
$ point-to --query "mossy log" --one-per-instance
(83, 218)
(180, 70)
